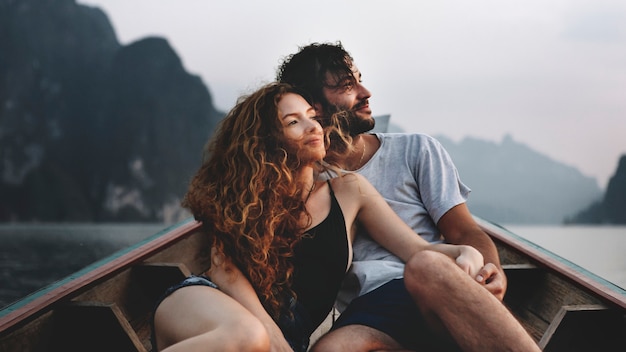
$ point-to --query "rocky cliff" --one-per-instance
(91, 130)
(612, 208)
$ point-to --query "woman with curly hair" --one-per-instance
(281, 236)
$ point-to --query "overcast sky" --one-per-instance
(551, 73)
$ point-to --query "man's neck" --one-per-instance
(362, 151)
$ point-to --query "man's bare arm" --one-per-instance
(458, 227)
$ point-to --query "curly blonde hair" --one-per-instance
(246, 196)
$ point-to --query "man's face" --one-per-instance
(348, 93)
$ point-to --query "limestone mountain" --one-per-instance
(611, 209)
(91, 130)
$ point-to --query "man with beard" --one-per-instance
(425, 303)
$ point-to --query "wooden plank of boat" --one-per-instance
(563, 306)
(107, 305)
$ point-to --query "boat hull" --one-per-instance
(107, 305)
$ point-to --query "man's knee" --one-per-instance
(331, 340)
(427, 273)
(427, 265)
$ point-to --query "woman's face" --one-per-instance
(301, 128)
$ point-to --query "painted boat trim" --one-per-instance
(32, 304)
(581, 276)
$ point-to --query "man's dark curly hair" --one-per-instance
(307, 69)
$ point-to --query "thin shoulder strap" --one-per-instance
(330, 187)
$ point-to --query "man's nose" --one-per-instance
(363, 93)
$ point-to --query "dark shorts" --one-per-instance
(390, 309)
(295, 324)
(190, 281)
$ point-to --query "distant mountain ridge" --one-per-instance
(91, 130)
(513, 184)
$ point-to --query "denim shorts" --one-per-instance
(294, 323)
(391, 309)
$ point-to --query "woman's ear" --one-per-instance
(217, 258)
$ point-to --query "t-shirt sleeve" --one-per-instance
(439, 183)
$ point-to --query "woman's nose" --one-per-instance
(314, 125)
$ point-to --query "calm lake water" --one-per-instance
(33, 256)
(599, 249)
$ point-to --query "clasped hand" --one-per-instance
(471, 261)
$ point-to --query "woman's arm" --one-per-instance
(231, 281)
(468, 258)
(391, 232)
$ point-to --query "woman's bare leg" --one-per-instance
(195, 318)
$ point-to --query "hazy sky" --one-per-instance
(551, 73)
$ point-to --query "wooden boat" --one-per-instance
(107, 306)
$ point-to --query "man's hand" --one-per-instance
(458, 227)
(493, 280)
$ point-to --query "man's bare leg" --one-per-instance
(356, 338)
(451, 300)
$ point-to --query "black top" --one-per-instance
(320, 262)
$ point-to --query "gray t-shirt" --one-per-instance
(418, 179)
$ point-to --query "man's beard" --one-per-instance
(352, 123)
(357, 125)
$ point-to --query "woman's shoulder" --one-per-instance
(350, 182)
(347, 177)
